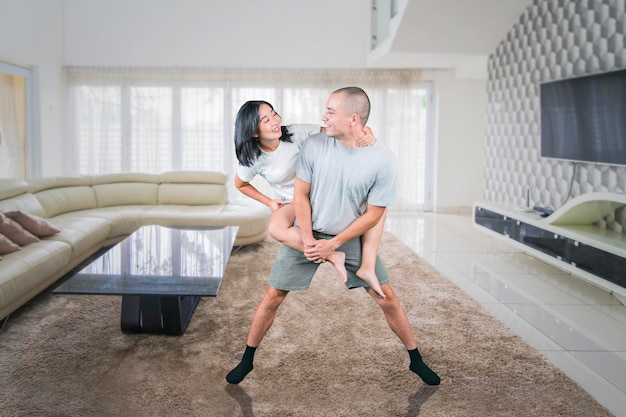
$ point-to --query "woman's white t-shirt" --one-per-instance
(278, 167)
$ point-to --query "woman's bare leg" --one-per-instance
(369, 250)
(282, 229)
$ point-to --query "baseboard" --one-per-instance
(461, 210)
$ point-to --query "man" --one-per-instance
(341, 191)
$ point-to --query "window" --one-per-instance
(19, 150)
(148, 129)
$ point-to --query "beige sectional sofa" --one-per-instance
(95, 211)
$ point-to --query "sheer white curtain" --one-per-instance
(153, 120)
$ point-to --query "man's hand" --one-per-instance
(309, 245)
(319, 250)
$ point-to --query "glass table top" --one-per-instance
(157, 260)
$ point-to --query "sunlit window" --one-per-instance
(19, 146)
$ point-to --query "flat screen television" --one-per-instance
(583, 119)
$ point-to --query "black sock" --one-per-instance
(245, 366)
(420, 368)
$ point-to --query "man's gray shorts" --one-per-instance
(292, 271)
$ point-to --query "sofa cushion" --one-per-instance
(25, 202)
(183, 215)
(82, 232)
(251, 218)
(187, 177)
(123, 220)
(31, 269)
(125, 193)
(7, 245)
(16, 233)
(192, 194)
(11, 188)
(125, 177)
(61, 200)
(35, 225)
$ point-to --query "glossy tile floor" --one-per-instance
(575, 325)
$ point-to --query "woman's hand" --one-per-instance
(275, 205)
(367, 139)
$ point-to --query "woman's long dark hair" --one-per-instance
(247, 147)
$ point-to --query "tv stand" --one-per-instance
(566, 239)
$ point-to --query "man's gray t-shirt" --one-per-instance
(343, 181)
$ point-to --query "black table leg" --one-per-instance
(157, 314)
(131, 314)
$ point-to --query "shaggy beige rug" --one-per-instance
(329, 353)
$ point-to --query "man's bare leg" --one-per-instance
(282, 229)
(370, 241)
(261, 323)
(399, 323)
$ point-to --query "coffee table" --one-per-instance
(160, 272)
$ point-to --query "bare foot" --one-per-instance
(338, 259)
(369, 276)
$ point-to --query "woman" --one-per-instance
(264, 147)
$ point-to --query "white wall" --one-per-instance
(461, 131)
(31, 34)
(230, 33)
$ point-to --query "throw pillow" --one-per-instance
(15, 232)
(6, 246)
(31, 223)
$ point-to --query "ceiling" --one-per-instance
(447, 34)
